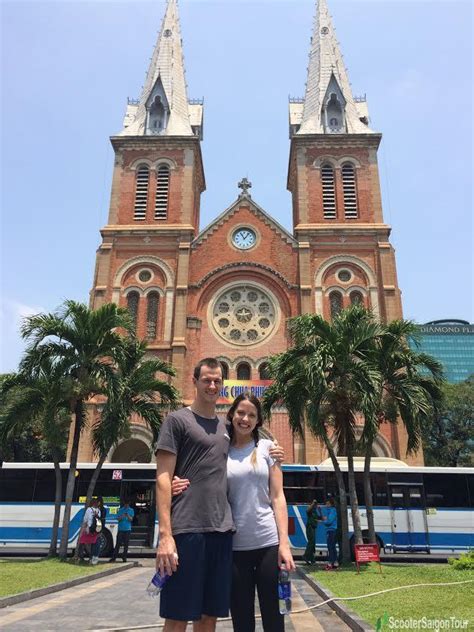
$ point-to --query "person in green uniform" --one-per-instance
(313, 516)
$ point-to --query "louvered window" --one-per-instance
(141, 192)
(132, 304)
(356, 298)
(350, 191)
(152, 315)
(329, 192)
(162, 192)
(335, 301)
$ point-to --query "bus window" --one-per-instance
(446, 490)
(470, 485)
(45, 485)
(379, 489)
(301, 488)
(16, 485)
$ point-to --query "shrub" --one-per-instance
(464, 562)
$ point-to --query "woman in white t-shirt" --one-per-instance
(255, 493)
(260, 544)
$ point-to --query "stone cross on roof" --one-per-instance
(245, 185)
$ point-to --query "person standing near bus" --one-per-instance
(125, 517)
(89, 536)
(313, 516)
(260, 544)
(329, 518)
(195, 530)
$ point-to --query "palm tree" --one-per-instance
(411, 390)
(136, 390)
(84, 344)
(334, 382)
(39, 403)
(292, 377)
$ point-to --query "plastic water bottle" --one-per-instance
(157, 582)
(284, 590)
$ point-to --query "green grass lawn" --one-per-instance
(431, 602)
(20, 575)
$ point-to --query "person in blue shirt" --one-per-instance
(125, 517)
(329, 518)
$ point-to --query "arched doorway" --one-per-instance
(132, 451)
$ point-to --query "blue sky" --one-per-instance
(68, 67)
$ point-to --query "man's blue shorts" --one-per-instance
(201, 585)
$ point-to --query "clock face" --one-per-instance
(244, 238)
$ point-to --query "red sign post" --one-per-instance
(365, 553)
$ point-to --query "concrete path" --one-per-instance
(119, 601)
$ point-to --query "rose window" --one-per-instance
(243, 315)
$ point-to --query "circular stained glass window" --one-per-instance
(243, 315)
(344, 276)
(144, 276)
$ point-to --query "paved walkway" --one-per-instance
(119, 601)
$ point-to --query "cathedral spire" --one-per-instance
(163, 106)
(329, 105)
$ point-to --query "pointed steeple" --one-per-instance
(163, 106)
(329, 105)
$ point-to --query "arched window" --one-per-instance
(162, 192)
(153, 299)
(141, 192)
(329, 191)
(243, 371)
(356, 298)
(335, 301)
(132, 304)
(225, 370)
(350, 191)
(263, 371)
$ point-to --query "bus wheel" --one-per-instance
(106, 543)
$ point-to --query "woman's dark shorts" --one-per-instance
(201, 584)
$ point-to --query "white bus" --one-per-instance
(27, 503)
(417, 509)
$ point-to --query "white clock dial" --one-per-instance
(244, 238)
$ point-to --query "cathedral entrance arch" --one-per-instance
(132, 451)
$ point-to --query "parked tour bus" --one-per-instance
(417, 509)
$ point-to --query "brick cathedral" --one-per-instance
(227, 290)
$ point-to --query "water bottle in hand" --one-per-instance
(284, 590)
(157, 582)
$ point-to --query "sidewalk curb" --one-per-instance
(349, 617)
(47, 590)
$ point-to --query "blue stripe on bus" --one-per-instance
(40, 534)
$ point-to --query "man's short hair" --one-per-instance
(212, 363)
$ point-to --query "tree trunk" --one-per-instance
(346, 550)
(369, 501)
(71, 479)
(53, 545)
(353, 496)
(95, 476)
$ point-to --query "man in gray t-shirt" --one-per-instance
(201, 446)
(195, 543)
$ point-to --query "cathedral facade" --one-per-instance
(227, 290)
